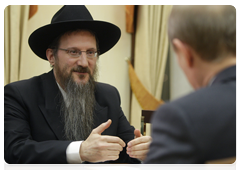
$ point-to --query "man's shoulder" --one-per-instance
(213, 94)
(106, 93)
(203, 103)
(27, 83)
(105, 88)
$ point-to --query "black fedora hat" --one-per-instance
(72, 17)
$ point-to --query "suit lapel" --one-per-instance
(51, 107)
(100, 115)
(101, 112)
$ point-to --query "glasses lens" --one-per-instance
(91, 53)
(73, 52)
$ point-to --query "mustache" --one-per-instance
(81, 69)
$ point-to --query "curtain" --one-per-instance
(151, 47)
(15, 28)
(32, 10)
(129, 10)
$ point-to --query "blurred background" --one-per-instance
(151, 73)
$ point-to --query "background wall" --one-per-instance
(179, 84)
(112, 65)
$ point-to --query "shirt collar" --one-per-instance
(211, 81)
(62, 91)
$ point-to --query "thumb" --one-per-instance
(137, 133)
(100, 129)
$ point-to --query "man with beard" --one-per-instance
(65, 116)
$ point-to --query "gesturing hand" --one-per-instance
(99, 148)
(138, 147)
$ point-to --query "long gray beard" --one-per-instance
(78, 109)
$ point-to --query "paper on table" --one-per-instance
(112, 168)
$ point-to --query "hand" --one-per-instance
(138, 147)
(100, 148)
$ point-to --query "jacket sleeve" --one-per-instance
(19, 146)
(172, 141)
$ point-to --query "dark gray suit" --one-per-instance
(198, 127)
(33, 128)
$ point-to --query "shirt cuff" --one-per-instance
(72, 152)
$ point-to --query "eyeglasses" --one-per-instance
(76, 53)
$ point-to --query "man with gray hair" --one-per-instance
(200, 126)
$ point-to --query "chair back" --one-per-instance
(146, 118)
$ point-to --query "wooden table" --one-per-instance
(81, 167)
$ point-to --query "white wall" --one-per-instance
(179, 85)
(32, 65)
(112, 65)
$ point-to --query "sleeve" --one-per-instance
(19, 145)
(72, 152)
(171, 138)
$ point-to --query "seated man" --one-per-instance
(200, 126)
(65, 116)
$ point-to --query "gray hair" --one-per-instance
(209, 30)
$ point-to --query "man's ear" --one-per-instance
(184, 52)
(50, 56)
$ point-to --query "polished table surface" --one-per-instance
(79, 167)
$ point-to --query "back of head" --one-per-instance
(209, 30)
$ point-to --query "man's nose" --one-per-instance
(82, 60)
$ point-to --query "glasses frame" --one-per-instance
(79, 52)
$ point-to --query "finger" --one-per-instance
(139, 140)
(114, 139)
(108, 158)
(138, 154)
(141, 152)
(111, 158)
(113, 147)
(100, 129)
(142, 146)
(137, 133)
(112, 153)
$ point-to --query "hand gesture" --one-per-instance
(100, 148)
(138, 147)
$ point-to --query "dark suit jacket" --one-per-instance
(33, 129)
(198, 127)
